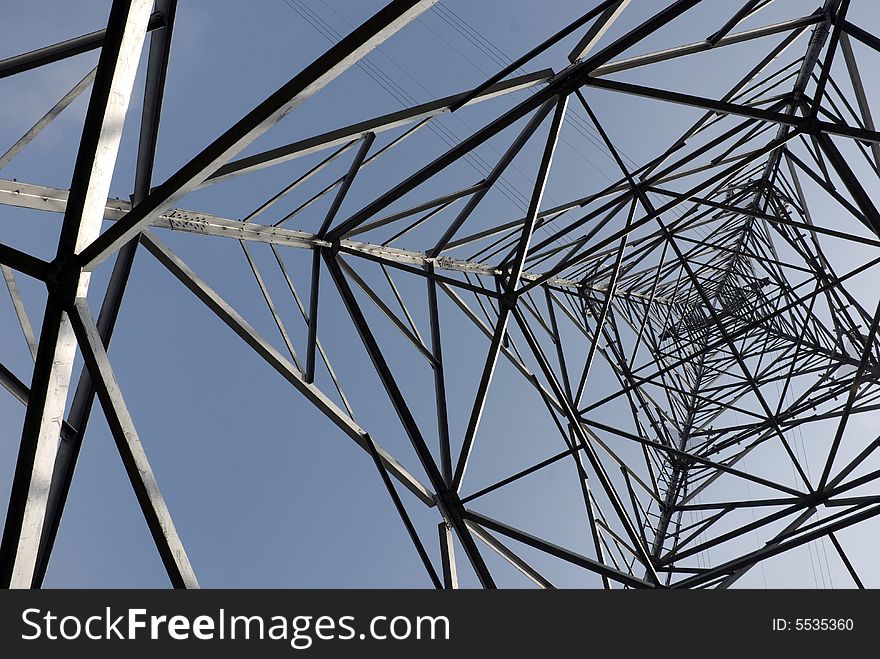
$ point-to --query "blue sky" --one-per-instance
(264, 491)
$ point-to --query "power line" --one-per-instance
(405, 99)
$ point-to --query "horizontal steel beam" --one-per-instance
(39, 197)
(26, 195)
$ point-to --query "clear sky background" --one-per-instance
(264, 491)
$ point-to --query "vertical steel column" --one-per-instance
(117, 66)
(84, 395)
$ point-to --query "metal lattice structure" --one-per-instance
(701, 280)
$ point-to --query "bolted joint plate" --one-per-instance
(62, 279)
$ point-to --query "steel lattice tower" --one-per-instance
(681, 327)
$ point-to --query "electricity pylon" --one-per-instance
(695, 331)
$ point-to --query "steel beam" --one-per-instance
(379, 124)
(296, 91)
(47, 118)
(64, 49)
(93, 171)
(84, 395)
(447, 499)
(277, 361)
(140, 474)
